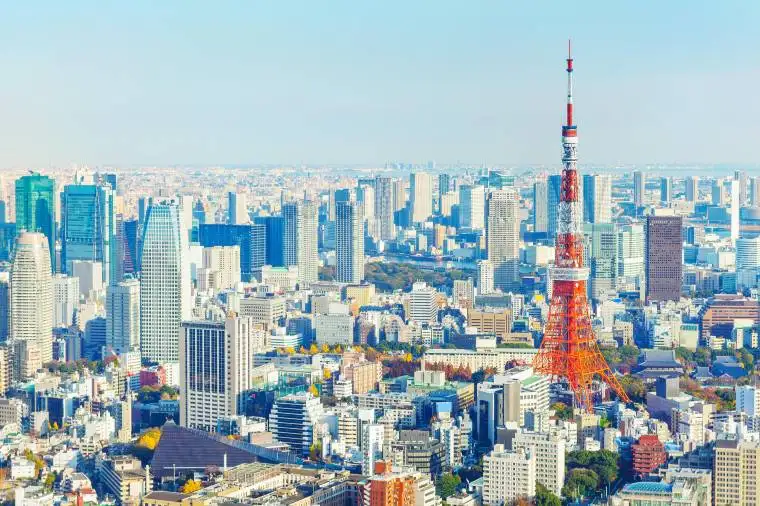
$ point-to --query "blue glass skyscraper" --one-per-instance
(275, 233)
(250, 238)
(88, 227)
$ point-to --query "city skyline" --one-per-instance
(361, 84)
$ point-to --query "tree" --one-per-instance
(634, 387)
(325, 348)
(149, 439)
(190, 486)
(544, 497)
(580, 483)
(315, 451)
(50, 481)
(447, 485)
(313, 350)
(313, 390)
(562, 410)
(326, 374)
(603, 463)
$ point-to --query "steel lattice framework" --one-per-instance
(569, 349)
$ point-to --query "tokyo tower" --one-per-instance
(569, 350)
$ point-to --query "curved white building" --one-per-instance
(164, 283)
(31, 315)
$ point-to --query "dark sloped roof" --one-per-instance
(192, 449)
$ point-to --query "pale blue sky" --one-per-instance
(185, 82)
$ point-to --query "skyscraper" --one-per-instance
(554, 186)
(601, 259)
(35, 208)
(421, 191)
(423, 303)
(472, 206)
(736, 203)
(252, 240)
(216, 359)
(503, 238)
(123, 316)
(718, 192)
(384, 207)
(292, 421)
(275, 231)
(88, 228)
(754, 191)
(747, 261)
(31, 303)
(639, 188)
(741, 177)
(692, 188)
(237, 209)
(300, 243)
(444, 183)
(631, 246)
(540, 209)
(164, 283)
(65, 299)
(666, 190)
(349, 235)
(664, 258)
(485, 277)
(597, 198)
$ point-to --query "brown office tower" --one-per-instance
(664, 258)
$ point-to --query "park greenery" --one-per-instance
(447, 484)
(544, 497)
(590, 472)
(388, 277)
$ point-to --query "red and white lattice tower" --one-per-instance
(569, 350)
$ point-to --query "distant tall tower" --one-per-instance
(639, 188)
(472, 206)
(35, 208)
(718, 192)
(349, 235)
(554, 187)
(736, 204)
(399, 195)
(421, 191)
(164, 283)
(741, 177)
(444, 183)
(88, 228)
(540, 209)
(301, 218)
(602, 254)
(754, 191)
(692, 188)
(569, 349)
(597, 198)
(237, 209)
(384, 207)
(31, 313)
(123, 316)
(664, 258)
(503, 238)
(666, 190)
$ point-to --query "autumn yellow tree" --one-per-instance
(338, 349)
(149, 439)
(325, 348)
(190, 486)
(313, 391)
(326, 374)
(313, 350)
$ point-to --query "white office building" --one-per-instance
(503, 238)
(423, 303)
(472, 206)
(421, 193)
(548, 450)
(164, 283)
(123, 316)
(221, 268)
(300, 241)
(507, 476)
(66, 299)
(31, 317)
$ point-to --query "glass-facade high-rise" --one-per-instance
(300, 243)
(88, 228)
(164, 283)
(275, 231)
(35, 208)
(252, 240)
